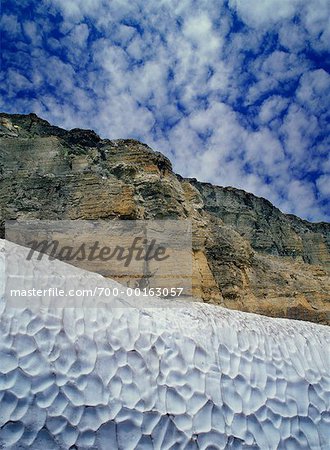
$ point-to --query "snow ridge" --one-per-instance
(194, 376)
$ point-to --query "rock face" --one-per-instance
(247, 255)
(267, 229)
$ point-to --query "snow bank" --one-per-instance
(194, 376)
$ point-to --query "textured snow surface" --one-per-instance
(196, 377)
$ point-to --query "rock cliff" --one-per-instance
(247, 254)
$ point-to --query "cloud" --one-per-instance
(314, 91)
(234, 94)
(323, 184)
(272, 108)
(9, 23)
(264, 12)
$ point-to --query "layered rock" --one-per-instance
(246, 254)
(268, 230)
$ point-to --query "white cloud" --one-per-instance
(272, 108)
(199, 31)
(31, 30)
(298, 130)
(231, 105)
(315, 18)
(79, 35)
(293, 37)
(262, 147)
(264, 12)
(10, 25)
(78, 9)
(301, 199)
(323, 184)
(15, 82)
(281, 65)
(272, 72)
(314, 90)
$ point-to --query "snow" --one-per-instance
(189, 376)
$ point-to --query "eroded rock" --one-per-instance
(246, 254)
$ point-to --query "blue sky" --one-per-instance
(235, 92)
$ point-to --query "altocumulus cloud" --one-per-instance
(234, 92)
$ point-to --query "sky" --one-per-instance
(234, 92)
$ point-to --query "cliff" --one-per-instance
(247, 254)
